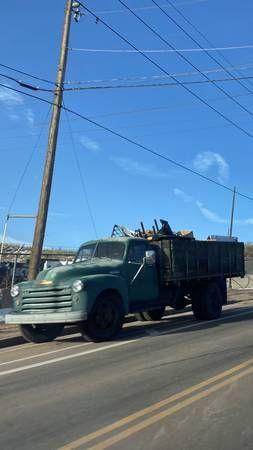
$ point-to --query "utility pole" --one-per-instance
(40, 226)
(232, 214)
(231, 225)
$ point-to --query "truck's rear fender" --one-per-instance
(95, 285)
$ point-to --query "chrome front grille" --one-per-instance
(47, 299)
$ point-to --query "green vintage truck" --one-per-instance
(138, 272)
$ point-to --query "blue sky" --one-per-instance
(123, 184)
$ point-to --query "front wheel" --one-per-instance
(41, 333)
(105, 319)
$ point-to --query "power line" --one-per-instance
(36, 88)
(27, 74)
(136, 144)
(207, 51)
(154, 153)
(209, 42)
(35, 147)
(183, 57)
(141, 85)
(130, 112)
(163, 70)
(134, 111)
(155, 77)
(25, 85)
(180, 50)
(78, 166)
(143, 8)
(86, 88)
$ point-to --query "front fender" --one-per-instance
(94, 285)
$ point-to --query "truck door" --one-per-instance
(143, 288)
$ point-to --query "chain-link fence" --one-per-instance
(247, 281)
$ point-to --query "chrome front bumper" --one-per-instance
(37, 318)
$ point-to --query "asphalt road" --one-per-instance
(174, 384)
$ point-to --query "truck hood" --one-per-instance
(67, 274)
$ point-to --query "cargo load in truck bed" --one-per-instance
(191, 259)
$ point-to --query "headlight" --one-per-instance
(15, 290)
(77, 286)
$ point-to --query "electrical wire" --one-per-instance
(162, 50)
(135, 111)
(142, 85)
(36, 88)
(207, 51)
(35, 147)
(197, 30)
(78, 166)
(136, 144)
(155, 77)
(184, 57)
(143, 8)
(27, 74)
(165, 71)
(25, 85)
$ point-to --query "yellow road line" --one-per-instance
(168, 412)
(128, 419)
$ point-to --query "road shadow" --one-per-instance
(133, 329)
(188, 323)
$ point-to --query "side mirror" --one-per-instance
(150, 257)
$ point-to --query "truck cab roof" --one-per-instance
(116, 239)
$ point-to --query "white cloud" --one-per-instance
(136, 168)
(210, 215)
(182, 195)
(248, 221)
(10, 98)
(15, 106)
(205, 160)
(213, 217)
(29, 115)
(90, 144)
(207, 213)
(12, 116)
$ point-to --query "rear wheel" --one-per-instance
(207, 302)
(105, 319)
(40, 333)
(152, 315)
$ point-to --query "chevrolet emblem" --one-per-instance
(45, 282)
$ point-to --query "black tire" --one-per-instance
(105, 319)
(207, 302)
(41, 333)
(154, 314)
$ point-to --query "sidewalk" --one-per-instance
(9, 335)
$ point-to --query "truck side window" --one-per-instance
(137, 252)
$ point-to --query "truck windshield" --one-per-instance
(111, 250)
